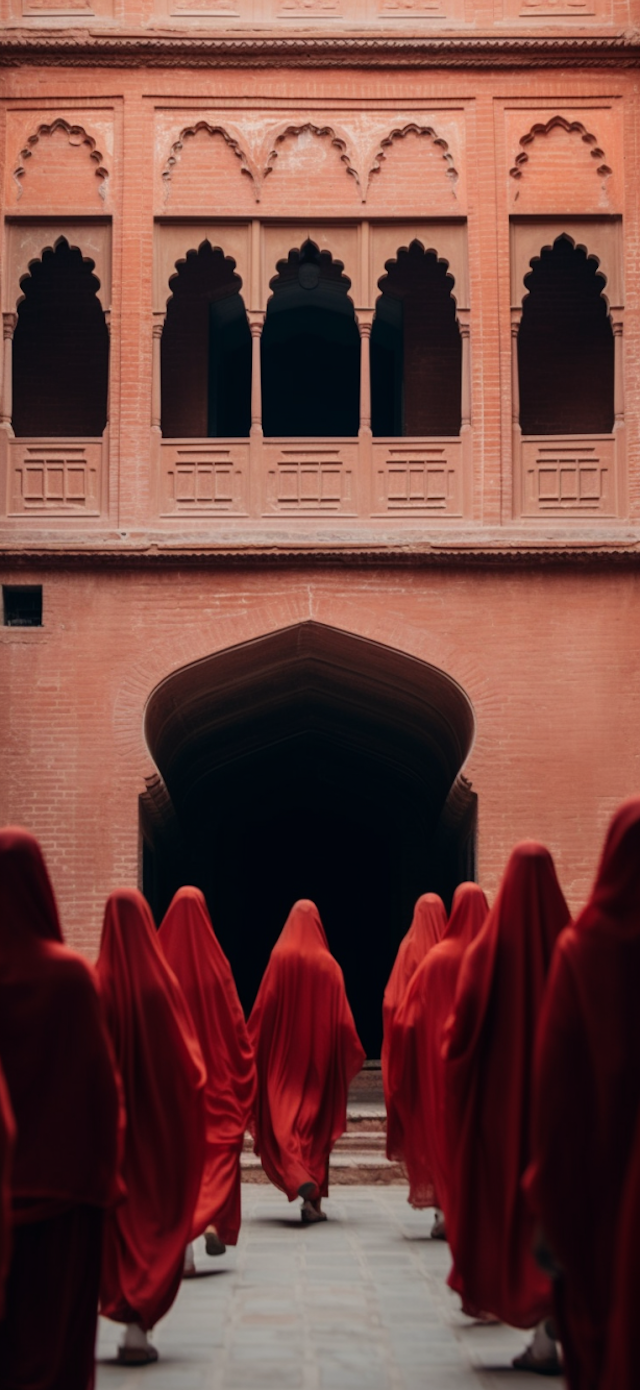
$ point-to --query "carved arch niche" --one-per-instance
(26, 242)
(59, 165)
(208, 168)
(413, 170)
(564, 162)
(307, 169)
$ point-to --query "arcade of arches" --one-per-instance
(310, 763)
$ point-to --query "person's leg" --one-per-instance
(135, 1348)
(213, 1244)
(189, 1266)
(541, 1355)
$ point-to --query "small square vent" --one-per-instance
(22, 605)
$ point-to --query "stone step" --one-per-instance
(345, 1169)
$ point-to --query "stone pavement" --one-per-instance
(357, 1304)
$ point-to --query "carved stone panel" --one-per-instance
(569, 476)
(202, 478)
(54, 477)
(418, 476)
(565, 160)
(305, 478)
(59, 163)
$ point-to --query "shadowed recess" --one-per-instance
(310, 763)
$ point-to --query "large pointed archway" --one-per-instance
(310, 763)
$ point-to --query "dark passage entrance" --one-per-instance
(313, 764)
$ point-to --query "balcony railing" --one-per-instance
(54, 477)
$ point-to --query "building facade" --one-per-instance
(319, 451)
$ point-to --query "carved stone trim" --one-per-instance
(413, 128)
(231, 140)
(572, 128)
(168, 50)
(337, 138)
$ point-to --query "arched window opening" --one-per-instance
(565, 346)
(416, 350)
(206, 351)
(60, 349)
(310, 350)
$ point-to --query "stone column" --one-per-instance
(156, 376)
(364, 319)
(256, 324)
(9, 322)
(465, 395)
(618, 380)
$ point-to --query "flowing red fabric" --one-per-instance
(621, 1362)
(488, 1054)
(587, 1096)
(54, 1048)
(163, 1076)
(416, 1067)
(7, 1144)
(307, 1053)
(60, 1074)
(196, 956)
(427, 928)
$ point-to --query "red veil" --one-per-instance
(163, 1076)
(416, 1068)
(427, 928)
(488, 1054)
(7, 1143)
(587, 1096)
(195, 954)
(60, 1075)
(307, 1053)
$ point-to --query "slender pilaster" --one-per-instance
(9, 321)
(156, 376)
(256, 325)
(465, 393)
(364, 319)
(516, 316)
(618, 379)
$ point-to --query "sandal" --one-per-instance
(137, 1356)
(310, 1215)
(213, 1244)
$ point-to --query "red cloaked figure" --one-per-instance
(163, 1077)
(488, 1053)
(307, 1053)
(416, 1068)
(621, 1362)
(587, 1098)
(196, 956)
(59, 1069)
(427, 928)
(7, 1145)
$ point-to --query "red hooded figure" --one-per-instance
(587, 1097)
(195, 955)
(416, 1068)
(163, 1077)
(7, 1144)
(621, 1364)
(307, 1053)
(427, 927)
(488, 1054)
(60, 1074)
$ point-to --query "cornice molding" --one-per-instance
(86, 48)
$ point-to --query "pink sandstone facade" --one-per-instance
(320, 436)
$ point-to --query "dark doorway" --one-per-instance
(565, 345)
(60, 349)
(310, 764)
(416, 350)
(206, 351)
(310, 350)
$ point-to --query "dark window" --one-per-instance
(416, 351)
(310, 350)
(565, 346)
(206, 351)
(22, 605)
(60, 349)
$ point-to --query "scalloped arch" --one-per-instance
(577, 246)
(194, 250)
(603, 170)
(414, 128)
(337, 137)
(77, 136)
(427, 250)
(335, 260)
(53, 246)
(230, 139)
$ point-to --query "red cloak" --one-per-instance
(427, 928)
(416, 1069)
(587, 1096)
(621, 1362)
(7, 1144)
(307, 1053)
(163, 1077)
(196, 956)
(58, 1065)
(488, 1053)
